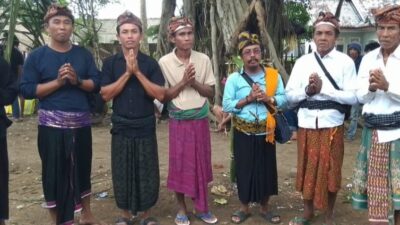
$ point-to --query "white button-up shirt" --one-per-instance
(343, 71)
(381, 102)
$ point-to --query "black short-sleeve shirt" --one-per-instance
(133, 102)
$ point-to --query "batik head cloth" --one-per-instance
(327, 18)
(128, 17)
(387, 14)
(57, 10)
(246, 39)
(178, 23)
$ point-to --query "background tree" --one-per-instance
(11, 29)
(163, 45)
(297, 13)
(87, 26)
(144, 47)
(30, 17)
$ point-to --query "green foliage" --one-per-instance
(152, 31)
(11, 28)
(31, 15)
(297, 12)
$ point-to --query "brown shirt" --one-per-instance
(173, 69)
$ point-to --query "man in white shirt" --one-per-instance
(377, 172)
(320, 117)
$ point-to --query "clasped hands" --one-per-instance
(257, 94)
(314, 84)
(67, 73)
(377, 80)
(132, 67)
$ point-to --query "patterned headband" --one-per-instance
(327, 18)
(128, 17)
(389, 13)
(57, 10)
(176, 24)
(246, 39)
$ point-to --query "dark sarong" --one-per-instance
(3, 179)
(256, 171)
(135, 172)
(66, 156)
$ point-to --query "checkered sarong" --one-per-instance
(325, 104)
(381, 121)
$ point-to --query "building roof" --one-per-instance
(107, 33)
(354, 13)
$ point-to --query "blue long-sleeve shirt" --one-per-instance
(236, 89)
(42, 66)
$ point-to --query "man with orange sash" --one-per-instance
(254, 147)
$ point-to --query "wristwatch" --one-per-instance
(79, 81)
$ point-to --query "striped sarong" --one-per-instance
(376, 181)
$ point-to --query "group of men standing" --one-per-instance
(318, 90)
(61, 75)
(321, 85)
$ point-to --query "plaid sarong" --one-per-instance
(326, 104)
(382, 121)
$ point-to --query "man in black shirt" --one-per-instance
(134, 157)
(16, 63)
(8, 91)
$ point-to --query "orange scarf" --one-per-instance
(271, 84)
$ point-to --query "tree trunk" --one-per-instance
(230, 14)
(163, 45)
(189, 9)
(144, 47)
(95, 33)
(215, 58)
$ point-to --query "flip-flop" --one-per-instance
(299, 221)
(123, 221)
(207, 218)
(182, 219)
(271, 217)
(241, 215)
(149, 221)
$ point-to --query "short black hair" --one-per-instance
(371, 46)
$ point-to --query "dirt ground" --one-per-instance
(26, 194)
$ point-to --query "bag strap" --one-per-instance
(327, 74)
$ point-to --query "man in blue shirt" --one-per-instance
(254, 148)
(61, 75)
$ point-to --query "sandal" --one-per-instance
(271, 217)
(149, 221)
(182, 219)
(207, 218)
(123, 221)
(299, 221)
(241, 215)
